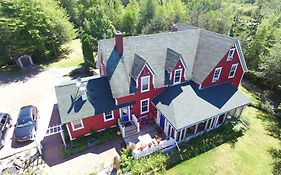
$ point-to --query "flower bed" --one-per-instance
(85, 142)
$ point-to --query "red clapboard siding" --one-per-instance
(226, 66)
(93, 123)
(178, 66)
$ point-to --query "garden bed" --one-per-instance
(85, 142)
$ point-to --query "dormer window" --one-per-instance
(233, 70)
(145, 83)
(177, 76)
(230, 54)
(217, 74)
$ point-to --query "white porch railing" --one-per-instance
(163, 145)
(136, 122)
(122, 128)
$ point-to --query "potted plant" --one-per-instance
(158, 139)
(142, 147)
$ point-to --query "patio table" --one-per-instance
(145, 139)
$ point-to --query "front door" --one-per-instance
(125, 113)
(162, 122)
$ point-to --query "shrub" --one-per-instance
(265, 106)
(126, 160)
(67, 152)
(87, 48)
(278, 111)
(253, 78)
(150, 165)
(227, 133)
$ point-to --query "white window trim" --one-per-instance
(217, 79)
(144, 112)
(236, 66)
(69, 133)
(75, 129)
(106, 120)
(148, 76)
(230, 56)
(129, 112)
(175, 75)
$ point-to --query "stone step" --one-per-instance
(132, 132)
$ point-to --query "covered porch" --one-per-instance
(184, 111)
(207, 125)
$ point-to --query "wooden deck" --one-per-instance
(150, 128)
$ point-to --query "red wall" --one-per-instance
(178, 66)
(226, 66)
(94, 123)
(138, 96)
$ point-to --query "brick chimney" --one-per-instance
(119, 42)
(174, 28)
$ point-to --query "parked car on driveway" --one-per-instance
(5, 123)
(26, 126)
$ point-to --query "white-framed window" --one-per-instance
(230, 54)
(217, 74)
(177, 76)
(145, 83)
(233, 70)
(144, 106)
(107, 116)
(77, 124)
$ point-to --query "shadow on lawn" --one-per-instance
(201, 144)
(273, 129)
(273, 126)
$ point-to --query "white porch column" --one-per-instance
(216, 121)
(195, 131)
(225, 116)
(207, 123)
(176, 133)
(62, 137)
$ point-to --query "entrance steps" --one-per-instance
(131, 130)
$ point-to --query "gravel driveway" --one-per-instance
(35, 87)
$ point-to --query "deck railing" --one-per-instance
(136, 122)
(122, 127)
(163, 145)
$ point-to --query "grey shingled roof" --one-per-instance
(201, 51)
(172, 59)
(241, 55)
(212, 47)
(138, 65)
(183, 105)
(100, 100)
(154, 49)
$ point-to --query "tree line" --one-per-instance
(39, 28)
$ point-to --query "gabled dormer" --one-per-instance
(142, 75)
(230, 68)
(174, 68)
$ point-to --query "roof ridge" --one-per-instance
(196, 53)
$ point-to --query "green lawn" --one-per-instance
(248, 156)
(73, 59)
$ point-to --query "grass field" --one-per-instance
(73, 59)
(250, 154)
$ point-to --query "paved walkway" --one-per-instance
(91, 160)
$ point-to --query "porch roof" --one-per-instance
(99, 99)
(185, 104)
